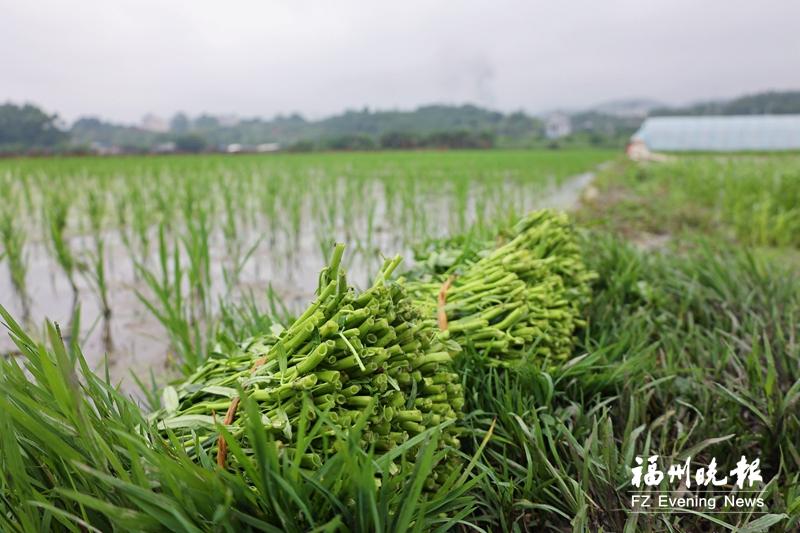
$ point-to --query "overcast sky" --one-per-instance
(122, 59)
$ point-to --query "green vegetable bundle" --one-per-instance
(514, 301)
(368, 358)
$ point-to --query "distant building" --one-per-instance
(103, 148)
(164, 148)
(557, 125)
(154, 123)
(268, 147)
(234, 148)
(719, 133)
(228, 121)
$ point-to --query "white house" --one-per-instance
(557, 125)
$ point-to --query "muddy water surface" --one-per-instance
(139, 342)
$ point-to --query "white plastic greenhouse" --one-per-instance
(720, 133)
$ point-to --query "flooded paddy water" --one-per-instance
(282, 253)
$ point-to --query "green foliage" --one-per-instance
(399, 140)
(79, 456)
(12, 239)
(180, 123)
(600, 129)
(301, 146)
(190, 142)
(89, 130)
(349, 142)
(682, 356)
(753, 200)
(100, 219)
(450, 140)
(27, 127)
(770, 102)
(435, 126)
(460, 139)
(57, 220)
(368, 362)
(688, 351)
(517, 299)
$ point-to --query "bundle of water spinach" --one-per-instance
(370, 358)
(515, 299)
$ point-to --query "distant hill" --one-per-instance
(412, 126)
(27, 129)
(431, 126)
(605, 124)
(770, 102)
(430, 119)
(615, 121)
(628, 108)
(90, 130)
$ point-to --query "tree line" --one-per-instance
(29, 129)
(766, 103)
(401, 140)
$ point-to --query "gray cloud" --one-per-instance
(125, 58)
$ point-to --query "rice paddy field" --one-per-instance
(187, 349)
(88, 233)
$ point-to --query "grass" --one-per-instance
(683, 356)
(690, 356)
(13, 239)
(751, 200)
(80, 456)
(690, 350)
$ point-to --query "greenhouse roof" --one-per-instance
(721, 133)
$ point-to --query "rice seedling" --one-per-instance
(57, 216)
(12, 237)
(230, 234)
(269, 204)
(141, 223)
(293, 200)
(196, 245)
(173, 299)
(121, 220)
(95, 270)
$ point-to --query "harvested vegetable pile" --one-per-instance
(368, 358)
(377, 360)
(516, 301)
